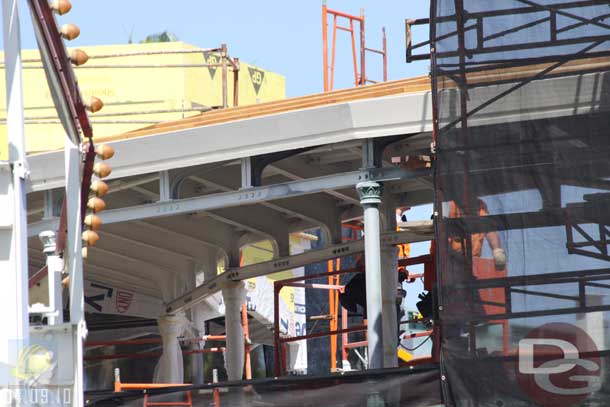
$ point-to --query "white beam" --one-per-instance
(256, 195)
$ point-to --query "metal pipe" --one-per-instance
(352, 345)
(332, 59)
(333, 303)
(143, 355)
(216, 390)
(129, 66)
(140, 53)
(276, 328)
(354, 57)
(148, 341)
(225, 92)
(370, 198)
(408, 40)
(351, 29)
(325, 46)
(385, 54)
(362, 52)
(235, 82)
(345, 15)
(357, 328)
(320, 286)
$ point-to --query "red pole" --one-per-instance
(385, 55)
(342, 14)
(332, 60)
(276, 326)
(354, 54)
(325, 45)
(362, 50)
(331, 309)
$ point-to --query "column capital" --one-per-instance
(369, 192)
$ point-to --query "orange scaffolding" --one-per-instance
(360, 77)
(119, 387)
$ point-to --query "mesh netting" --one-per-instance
(388, 387)
(522, 92)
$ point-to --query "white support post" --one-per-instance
(234, 295)
(73, 254)
(370, 198)
(14, 335)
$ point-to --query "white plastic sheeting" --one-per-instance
(234, 297)
(169, 369)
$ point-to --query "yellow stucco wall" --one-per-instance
(135, 89)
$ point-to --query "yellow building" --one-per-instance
(140, 85)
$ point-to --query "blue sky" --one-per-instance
(281, 36)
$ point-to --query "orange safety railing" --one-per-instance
(119, 387)
(149, 341)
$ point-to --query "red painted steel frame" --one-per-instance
(144, 355)
(359, 79)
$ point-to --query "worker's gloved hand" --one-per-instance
(499, 258)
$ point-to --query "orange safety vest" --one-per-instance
(404, 250)
(476, 238)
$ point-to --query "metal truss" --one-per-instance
(591, 212)
(198, 294)
(245, 196)
(476, 22)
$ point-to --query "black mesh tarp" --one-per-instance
(521, 95)
(411, 387)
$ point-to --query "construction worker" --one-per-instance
(404, 250)
(354, 293)
(462, 301)
(477, 239)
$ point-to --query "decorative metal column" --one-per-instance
(370, 198)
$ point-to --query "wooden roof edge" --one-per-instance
(230, 114)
